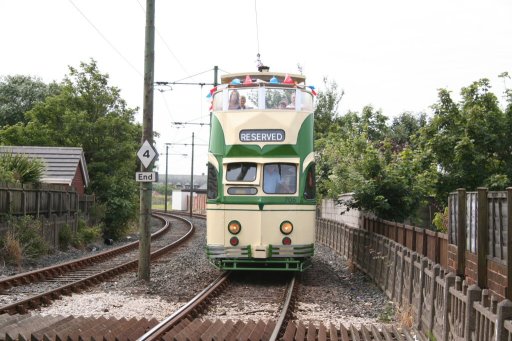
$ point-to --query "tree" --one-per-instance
(19, 94)
(326, 111)
(470, 141)
(87, 112)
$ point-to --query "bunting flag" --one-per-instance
(236, 81)
(312, 89)
(274, 80)
(212, 90)
(288, 80)
(248, 80)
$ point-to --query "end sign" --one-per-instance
(146, 176)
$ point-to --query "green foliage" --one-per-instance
(20, 168)
(441, 220)
(388, 315)
(469, 141)
(23, 240)
(19, 94)
(65, 237)
(86, 234)
(87, 112)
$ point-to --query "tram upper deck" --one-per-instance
(262, 91)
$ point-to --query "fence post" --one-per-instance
(508, 291)
(461, 231)
(482, 236)
(504, 313)
(23, 200)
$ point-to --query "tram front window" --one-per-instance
(279, 178)
(241, 171)
(280, 98)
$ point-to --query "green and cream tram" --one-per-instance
(261, 173)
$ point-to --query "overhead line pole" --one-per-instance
(192, 177)
(146, 188)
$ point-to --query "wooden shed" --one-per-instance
(64, 165)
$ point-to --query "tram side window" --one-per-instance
(241, 171)
(279, 178)
(212, 187)
(310, 186)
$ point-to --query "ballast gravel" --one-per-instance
(329, 292)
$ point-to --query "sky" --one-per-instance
(393, 55)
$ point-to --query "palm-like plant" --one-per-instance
(20, 168)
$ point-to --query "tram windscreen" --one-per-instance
(241, 171)
(279, 178)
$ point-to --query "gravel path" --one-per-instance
(329, 291)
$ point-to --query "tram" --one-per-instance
(261, 173)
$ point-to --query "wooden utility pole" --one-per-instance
(146, 188)
(192, 177)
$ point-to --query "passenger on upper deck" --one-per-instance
(234, 100)
(292, 103)
(243, 100)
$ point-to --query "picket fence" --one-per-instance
(444, 306)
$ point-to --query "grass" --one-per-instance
(158, 202)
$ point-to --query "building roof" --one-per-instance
(61, 162)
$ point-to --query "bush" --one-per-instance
(65, 237)
(86, 234)
(23, 240)
(441, 221)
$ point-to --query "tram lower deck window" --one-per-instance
(241, 171)
(279, 178)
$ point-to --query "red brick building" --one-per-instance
(63, 165)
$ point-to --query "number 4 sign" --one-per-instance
(146, 154)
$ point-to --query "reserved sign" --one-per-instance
(262, 135)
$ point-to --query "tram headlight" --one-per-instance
(234, 227)
(286, 227)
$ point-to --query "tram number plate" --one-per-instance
(290, 200)
(262, 135)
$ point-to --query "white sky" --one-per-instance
(391, 54)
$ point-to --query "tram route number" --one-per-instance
(262, 135)
(290, 200)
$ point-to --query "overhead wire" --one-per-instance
(105, 38)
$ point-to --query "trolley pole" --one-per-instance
(147, 124)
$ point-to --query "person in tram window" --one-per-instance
(243, 101)
(234, 100)
(271, 179)
(292, 103)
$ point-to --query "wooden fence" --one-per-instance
(480, 238)
(444, 306)
(56, 206)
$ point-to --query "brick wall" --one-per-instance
(78, 181)
(497, 277)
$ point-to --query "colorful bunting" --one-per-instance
(247, 80)
(274, 80)
(288, 80)
(236, 81)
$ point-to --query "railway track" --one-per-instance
(186, 324)
(193, 322)
(30, 290)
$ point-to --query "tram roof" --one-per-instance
(264, 76)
